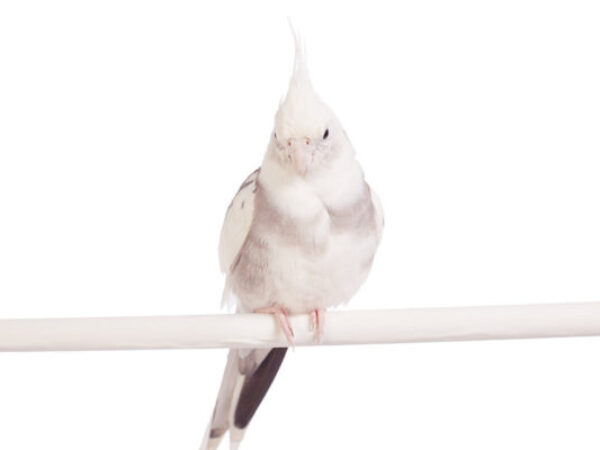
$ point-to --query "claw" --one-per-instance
(316, 324)
(283, 319)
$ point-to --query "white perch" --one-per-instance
(342, 327)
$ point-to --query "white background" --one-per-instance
(126, 127)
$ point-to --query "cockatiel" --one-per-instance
(299, 236)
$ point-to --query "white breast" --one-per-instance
(324, 268)
(295, 254)
(328, 280)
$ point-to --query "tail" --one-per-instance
(247, 378)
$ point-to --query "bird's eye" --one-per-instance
(326, 133)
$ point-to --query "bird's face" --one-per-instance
(306, 130)
(304, 152)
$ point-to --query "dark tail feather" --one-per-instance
(245, 383)
(256, 386)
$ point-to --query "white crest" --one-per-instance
(300, 74)
(301, 113)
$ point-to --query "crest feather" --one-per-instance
(300, 73)
(301, 113)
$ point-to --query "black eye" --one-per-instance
(326, 133)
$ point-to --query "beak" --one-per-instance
(300, 152)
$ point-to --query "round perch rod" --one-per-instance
(341, 327)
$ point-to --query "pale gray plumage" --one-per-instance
(299, 235)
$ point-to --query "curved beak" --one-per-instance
(300, 152)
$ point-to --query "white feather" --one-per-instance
(237, 223)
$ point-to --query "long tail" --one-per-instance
(247, 378)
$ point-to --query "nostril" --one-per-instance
(307, 141)
(289, 143)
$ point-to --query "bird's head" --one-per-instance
(307, 134)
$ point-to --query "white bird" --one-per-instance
(299, 236)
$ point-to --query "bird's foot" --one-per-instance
(316, 323)
(284, 321)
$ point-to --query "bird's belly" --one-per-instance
(301, 281)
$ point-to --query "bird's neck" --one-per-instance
(337, 185)
(340, 183)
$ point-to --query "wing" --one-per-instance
(237, 222)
